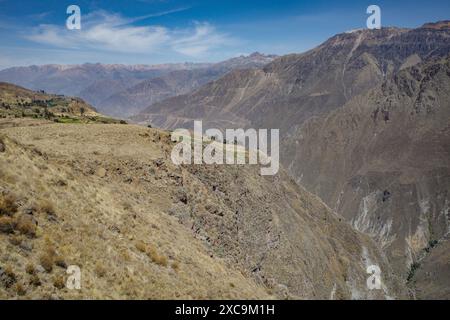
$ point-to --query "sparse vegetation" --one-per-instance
(412, 271)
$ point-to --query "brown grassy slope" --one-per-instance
(139, 227)
(126, 246)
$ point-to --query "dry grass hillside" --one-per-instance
(18, 102)
(73, 195)
(108, 199)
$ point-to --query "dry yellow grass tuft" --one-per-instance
(176, 265)
(30, 269)
(152, 253)
(141, 246)
(58, 282)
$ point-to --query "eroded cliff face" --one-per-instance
(382, 161)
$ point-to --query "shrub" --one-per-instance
(26, 226)
(20, 289)
(8, 205)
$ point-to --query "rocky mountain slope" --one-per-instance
(296, 87)
(364, 125)
(108, 199)
(384, 158)
(134, 99)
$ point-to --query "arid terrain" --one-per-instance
(107, 198)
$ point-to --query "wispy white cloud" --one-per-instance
(104, 31)
(200, 40)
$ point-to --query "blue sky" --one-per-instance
(162, 31)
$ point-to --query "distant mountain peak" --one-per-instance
(440, 25)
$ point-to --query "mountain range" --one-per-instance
(125, 90)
